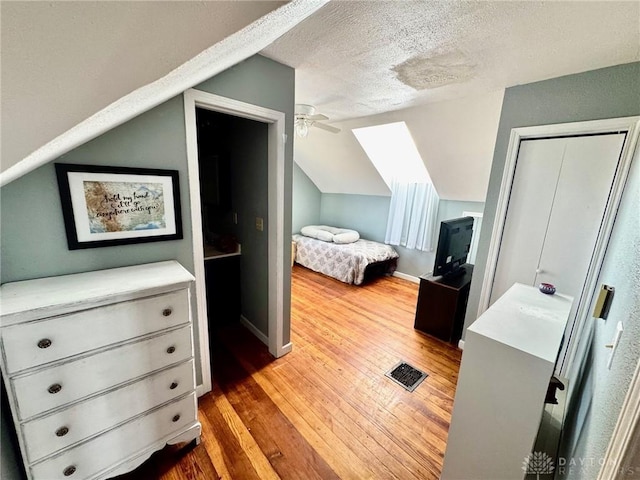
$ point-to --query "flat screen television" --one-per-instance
(454, 243)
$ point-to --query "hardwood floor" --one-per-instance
(325, 410)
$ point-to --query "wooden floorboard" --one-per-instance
(325, 410)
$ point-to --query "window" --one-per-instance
(414, 200)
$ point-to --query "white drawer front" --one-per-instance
(79, 378)
(52, 433)
(37, 343)
(88, 459)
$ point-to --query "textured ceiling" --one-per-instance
(64, 61)
(455, 139)
(355, 59)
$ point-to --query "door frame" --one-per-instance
(275, 225)
(628, 125)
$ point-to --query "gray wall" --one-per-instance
(34, 243)
(368, 215)
(605, 93)
(249, 166)
(306, 201)
(597, 401)
(365, 213)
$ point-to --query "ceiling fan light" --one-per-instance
(302, 129)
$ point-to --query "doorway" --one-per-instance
(272, 228)
(232, 160)
(560, 191)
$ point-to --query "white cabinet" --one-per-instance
(99, 368)
(508, 360)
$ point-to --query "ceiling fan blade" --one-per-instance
(328, 128)
(318, 116)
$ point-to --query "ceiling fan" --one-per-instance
(305, 117)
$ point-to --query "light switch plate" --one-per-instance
(259, 224)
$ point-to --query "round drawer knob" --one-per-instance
(166, 312)
(171, 349)
(55, 388)
(175, 418)
(44, 343)
(173, 386)
(62, 431)
(70, 470)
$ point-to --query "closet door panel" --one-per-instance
(532, 192)
(584, 185)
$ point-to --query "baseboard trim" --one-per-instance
(253, 329)
(405, 276)
(461, 344)
(286, 348)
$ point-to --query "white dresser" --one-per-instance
(99, 368)
(509, 356)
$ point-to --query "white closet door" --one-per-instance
(534, 183)
(581, 198)
(558, 198)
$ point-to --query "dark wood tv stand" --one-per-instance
(442, 304)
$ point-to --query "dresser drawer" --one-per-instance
(49, 434)
(36, 343)
(56, 386)
(90, 458)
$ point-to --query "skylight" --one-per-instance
(392, 151)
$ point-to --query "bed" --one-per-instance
(350, 262)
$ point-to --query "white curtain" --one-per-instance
(412, 215)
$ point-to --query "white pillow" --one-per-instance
(330, 234)
(347, 236)
(316, 231)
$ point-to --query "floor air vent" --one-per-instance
(406, 375)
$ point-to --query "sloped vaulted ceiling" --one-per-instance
(455, 139)
(64, 61)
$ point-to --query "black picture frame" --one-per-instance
(104, 206)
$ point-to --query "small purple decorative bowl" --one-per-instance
(547, 288)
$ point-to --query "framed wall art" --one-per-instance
(105, 206)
